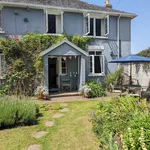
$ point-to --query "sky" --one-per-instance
(140, 35)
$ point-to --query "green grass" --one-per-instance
(73, 131)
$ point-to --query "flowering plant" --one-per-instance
(84, 90)
(41, 92)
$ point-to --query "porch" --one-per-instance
(64, 67)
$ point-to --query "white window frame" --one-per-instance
(93, 64)
(46, 23)
(94, 27)
(87, 29)
(63, 67)
(62, 22)
(106, 26)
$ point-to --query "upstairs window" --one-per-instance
(87, 22)
(96, 62)
(106, 25)
(51, 24)
(54, 23)
(96, 26)
(63, 66)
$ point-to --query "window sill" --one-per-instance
(96, 74)
(97, 37)
(54, 34)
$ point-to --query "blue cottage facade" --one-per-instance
(110, 29)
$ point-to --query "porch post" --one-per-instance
(82, 71)
(46, 84)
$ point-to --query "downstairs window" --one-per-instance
(96, 63)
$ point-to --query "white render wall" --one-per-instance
(140, 72)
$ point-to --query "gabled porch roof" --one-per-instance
(64, 48)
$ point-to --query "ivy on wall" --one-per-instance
(23, 62)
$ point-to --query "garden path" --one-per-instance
(40, 134)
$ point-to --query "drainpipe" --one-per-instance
(118, 35)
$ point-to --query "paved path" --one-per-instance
(70, 99)
(40, 134)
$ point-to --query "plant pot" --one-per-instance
(40, 96)
(85, 96)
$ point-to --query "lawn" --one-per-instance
(73, 131)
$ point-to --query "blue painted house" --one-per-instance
(110, 29)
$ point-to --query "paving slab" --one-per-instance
(49, 123)
(64, 110)
(34, 147)
(40, 134)
(57, 115)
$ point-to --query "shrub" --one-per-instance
(96, 89)
(115, 78)
(116, 116)
(15, 112)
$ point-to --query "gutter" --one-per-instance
(38, 6)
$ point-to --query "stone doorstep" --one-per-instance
(49, 123)
(34, 147)
(40, 134)
(57, 115)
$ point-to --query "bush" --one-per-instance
(15, 112)
(115, 78)
(96, 89)
(116, 116)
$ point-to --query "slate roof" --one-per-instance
(76, 4)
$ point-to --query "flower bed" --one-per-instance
(123, 123)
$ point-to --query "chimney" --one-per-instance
(107, 4)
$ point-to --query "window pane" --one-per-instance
(51, 24)
(97, 66)
(87, 24)
(64, 71)
(91, 53)
(106, 25)
(91, 26)
(91, 64)
(63, 64)
(98, 53)
(98, 27)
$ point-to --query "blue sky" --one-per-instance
(140, 25)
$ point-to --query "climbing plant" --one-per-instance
(23, 62)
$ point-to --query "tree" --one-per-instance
(145, 53)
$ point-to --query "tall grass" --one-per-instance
(17, 112)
